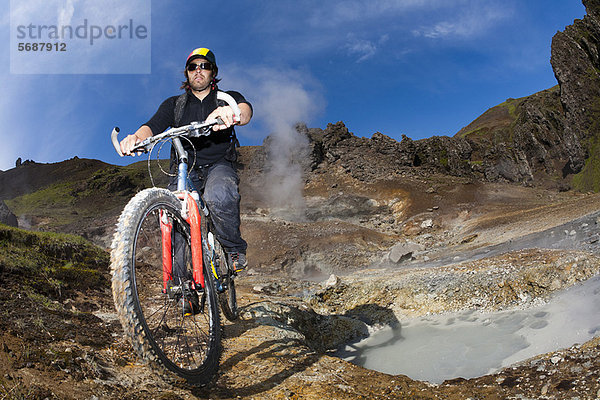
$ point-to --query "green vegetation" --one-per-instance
(54, 202)
(510, 106)
(475, 132)
(68, 202)
(46, 280)
(498, 119)
(589, 177)
(48, 264)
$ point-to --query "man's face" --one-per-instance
(199, 79)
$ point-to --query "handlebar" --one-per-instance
(194, 129)
(115, 141)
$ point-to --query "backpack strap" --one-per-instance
(179, 106)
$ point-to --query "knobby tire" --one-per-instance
(185, 345)
(227, 298)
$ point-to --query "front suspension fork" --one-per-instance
(192, 216)
(166, 227)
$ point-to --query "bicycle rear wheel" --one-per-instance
(177, 329)
(227, 297)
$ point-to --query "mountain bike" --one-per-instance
(169, 271)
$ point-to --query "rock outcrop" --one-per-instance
(550, 138)
(522, 140)
(6, 216)
(381, 157)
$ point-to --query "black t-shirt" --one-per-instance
(209, 149)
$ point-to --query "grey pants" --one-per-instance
(219, 183)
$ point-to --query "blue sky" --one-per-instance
(414, 67)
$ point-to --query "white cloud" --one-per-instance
(356, 27)
(111, 36)
(22, 10)
(312, 26)
(441, 29)
(15, 141)
(363, 49)
(38, 124)
(350, 11)
(465, 22)
(10, 143)
(65, 13)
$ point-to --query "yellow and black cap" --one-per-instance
(202, 52)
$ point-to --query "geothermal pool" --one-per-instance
(471, 344)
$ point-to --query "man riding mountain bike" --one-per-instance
(211, 158)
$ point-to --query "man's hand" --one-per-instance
(227, 116)
(128, 144)
(130, 141)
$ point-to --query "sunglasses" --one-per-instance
(205, 65)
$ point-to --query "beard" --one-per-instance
(199, 85)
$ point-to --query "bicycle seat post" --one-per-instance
(182, 169)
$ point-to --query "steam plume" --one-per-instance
(281, 100)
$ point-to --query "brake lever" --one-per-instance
(205, 128)
(142, 147)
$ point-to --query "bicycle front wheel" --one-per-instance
(172, 323)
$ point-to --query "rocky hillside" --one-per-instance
(30, 176)
(522, 140)
(549, 138)
(79, 196)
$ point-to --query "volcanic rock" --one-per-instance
(6, 216)
(403, 251)
(576, 64)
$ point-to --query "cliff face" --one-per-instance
(550, 138)
(576, 63)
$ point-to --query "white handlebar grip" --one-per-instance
(232, 103)
(115, 141)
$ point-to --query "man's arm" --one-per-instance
(246, 113)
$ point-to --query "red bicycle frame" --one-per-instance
(166, 228)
